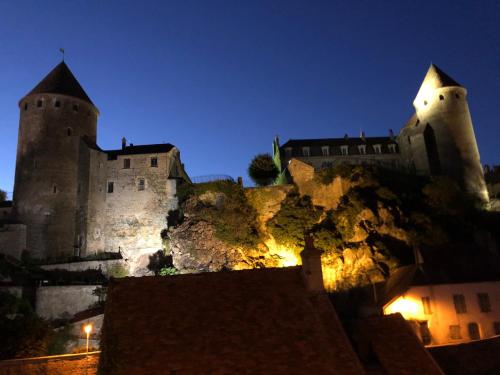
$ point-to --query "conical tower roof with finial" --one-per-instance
(434, 79)
(61, 81)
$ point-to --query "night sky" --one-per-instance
(219, 79)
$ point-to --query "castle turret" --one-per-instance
(441, 136)
(55, 118)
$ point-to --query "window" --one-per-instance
(126, 163)
(25, 106)
(344, 150)
(455, 332)
(362, 149)
(54, 189)
(484, 302)
(306, 151)
(457, 96)
(473, 329)
(441, 97)
(288, 152)
(142, 184)
(39, 104)
(496, 328)
(111, 186)
(325, 151)
(69, 131)
(426, 303)
(392, 148)
(425, 333)
(57, 104)
(377, 149)
(154, 162)
(425, 102)
(35, 163)
(459, 301)
(75, 107)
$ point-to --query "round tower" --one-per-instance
(441, 107)
(55, 118)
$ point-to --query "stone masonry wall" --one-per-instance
(13, 239)
(53, 302)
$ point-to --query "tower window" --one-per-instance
(39, 103)
(126, 163)
(25, 106)
(441, 97)
(111, 186)
(154, 162)
(457, 96)
(57, 104)
(75, 107)
(69, 131)
(54, 189)
(142, 184)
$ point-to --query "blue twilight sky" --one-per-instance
(219, 79)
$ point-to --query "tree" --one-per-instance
(262, 170)
(3, 195)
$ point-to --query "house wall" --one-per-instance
(443, 312)
(53, 302)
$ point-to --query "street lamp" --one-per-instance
(87, 328)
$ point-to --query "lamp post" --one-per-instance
(87, 328)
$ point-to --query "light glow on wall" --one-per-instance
(286, 257)
(408, 307)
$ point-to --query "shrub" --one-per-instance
(168, 271)
(262, 170)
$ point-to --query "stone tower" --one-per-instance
(56, 117)
(442, 133)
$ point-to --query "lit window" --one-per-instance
(325, 150)
(154, 162)
(126, 163)
(392, 148)
(306, 151)
(288, 152)
(111, 186)
(455, 332)
(142, 184)
(459, 302)
(473, 329)
(344, 150)
(362, 149)
(484, 302)
(377, 149)
(426, 303)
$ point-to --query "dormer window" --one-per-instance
(377, 149)
(362, 149)
(344, 150)
(325, 150)
(306, 151)
(288, 152)
(392, 148)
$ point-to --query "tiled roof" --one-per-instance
(396, 347)
(254, 321)
(61, 81)
(444, 79)
(141, 149)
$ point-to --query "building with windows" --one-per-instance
(71, 198)
(444, 310)
(438, 139)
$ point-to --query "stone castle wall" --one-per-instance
(12, 239)
(54, 302)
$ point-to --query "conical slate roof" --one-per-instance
(61, 81)
(434, 79)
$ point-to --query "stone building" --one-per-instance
(437, 140)
(71, 198)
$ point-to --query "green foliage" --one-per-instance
(326, 175)
(168, 271)
(262, 170)
(296, 217)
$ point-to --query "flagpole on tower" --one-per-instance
(62, 51)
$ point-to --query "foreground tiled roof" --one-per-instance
(254, 321)
(396, 347)
(60, 80)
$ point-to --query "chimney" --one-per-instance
(391, 134)
(311, 266)
(124, 142)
